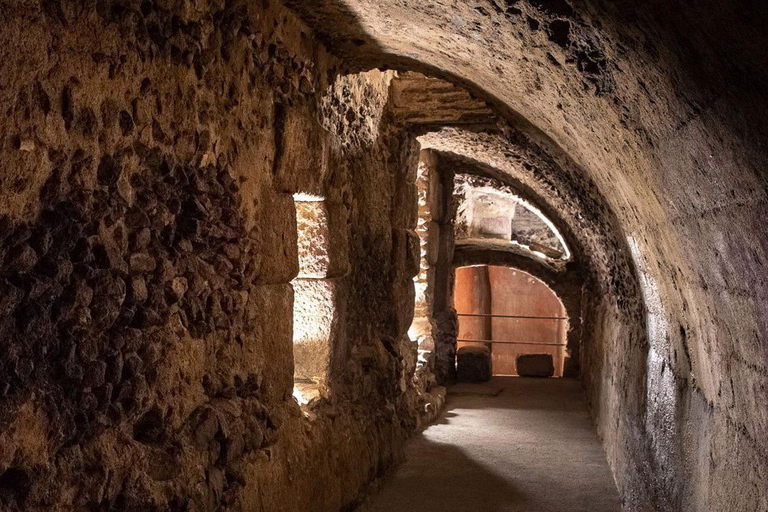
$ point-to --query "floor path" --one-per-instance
(510, 445)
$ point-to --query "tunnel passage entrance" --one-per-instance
(515, 315)
(492, 213)
(148, 245)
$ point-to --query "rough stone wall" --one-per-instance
(428, 187)
(441, 273)
(147, 167)
(659, 107)
(650, 119)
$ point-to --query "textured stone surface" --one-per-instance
(313, 239)
(314, 313)
(149, 156)
(656, 107)
(473, 364)
(535, 365)
(149, 238)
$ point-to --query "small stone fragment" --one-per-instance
(21, 259)
(142, 263)
(473, 364)
(207, 427)
(535, 365)
(139, 292)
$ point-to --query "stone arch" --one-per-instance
(566, 284)
(504, 284)
(150, 156)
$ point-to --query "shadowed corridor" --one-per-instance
(248, 248)
(512, 444)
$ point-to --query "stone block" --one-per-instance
(338, 248)
(313, 320)
(302, 150)
(278, 239)
(436, 202)
(446, 245)
(497, 227)
(473, 364)
(313, 239)
(433, 243)
(535, 365)
(269, 348)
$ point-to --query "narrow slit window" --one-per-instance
(314, 300)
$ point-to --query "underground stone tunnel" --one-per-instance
(239, 241)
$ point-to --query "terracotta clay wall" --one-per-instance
(472, 295)
(506, 291)
(148, 163)
(519, 294)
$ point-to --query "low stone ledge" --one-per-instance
(474, 364)
(535, 365)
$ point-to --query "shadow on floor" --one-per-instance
(532, 394)
(462, 484)
(509, 445)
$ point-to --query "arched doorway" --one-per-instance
(514, 314)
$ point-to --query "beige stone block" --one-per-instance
(278, 239)
(302, 153)
(314, 312)
(436, 203)
(313, 239)
(270, 310)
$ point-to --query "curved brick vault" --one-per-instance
(150, 156)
